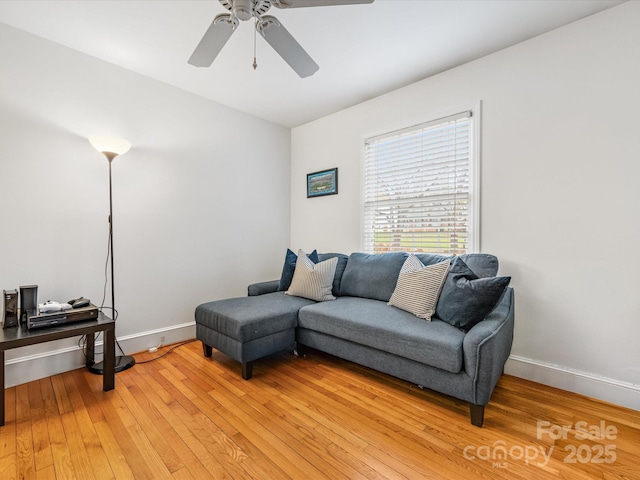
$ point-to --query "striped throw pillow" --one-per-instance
(419, 287)
(313, 280)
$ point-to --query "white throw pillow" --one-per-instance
(313, 280)
(419, 287)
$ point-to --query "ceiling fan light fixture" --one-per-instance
(243, 9)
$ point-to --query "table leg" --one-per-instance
(90, 347)
(109, 360)
(2, 384)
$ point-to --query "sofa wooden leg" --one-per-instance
(207, 350)
(477, 414)
(247, 370)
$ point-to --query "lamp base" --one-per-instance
(122, 363)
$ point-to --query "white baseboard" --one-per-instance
(608, 389)
(28, 368)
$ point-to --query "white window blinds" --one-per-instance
(418, 188)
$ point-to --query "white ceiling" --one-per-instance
(363, 50)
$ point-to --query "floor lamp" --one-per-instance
(111, 148)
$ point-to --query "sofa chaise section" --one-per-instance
(249, 328)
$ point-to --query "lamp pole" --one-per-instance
(110, 156)
(102, 144)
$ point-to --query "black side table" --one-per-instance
(20, 336)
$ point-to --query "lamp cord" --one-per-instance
(167, 352)
(106, 274)
(114, 314)
(113, 310)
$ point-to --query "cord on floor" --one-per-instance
(167, 352)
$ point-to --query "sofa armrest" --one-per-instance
(263, 287)
(487, 347)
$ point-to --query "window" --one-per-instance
(419, 189)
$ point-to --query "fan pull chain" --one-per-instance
(255, 33)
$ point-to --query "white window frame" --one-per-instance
(473, 239)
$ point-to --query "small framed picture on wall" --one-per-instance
(324, 182)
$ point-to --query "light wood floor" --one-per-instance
(189, 417)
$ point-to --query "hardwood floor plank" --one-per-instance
(40, 431)
(98, 459)
(204, 459)
(8, 467)
(166, 429)
(62, 400)
(380, 432)
(184, 474)
(57, 440)
(311, 444)
(89, 387)
(46, 473)
(225, 388)
(221, 440)
(266, 440)
(117, 460)
(149, 455)
(331, 394)
(79, 456)
(339, 437)
(25, 461)
(214, 411)
(445, 435)
(118, 420)
(8, 432)
(147, 420)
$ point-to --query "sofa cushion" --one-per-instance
(313, 280)
(289, 267)
(419, 286)
(375, 324)
(342, 263)
(482, 264)
(248, 318)
(466, 299)
(432, 258)
(372, 275)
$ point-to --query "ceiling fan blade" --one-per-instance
(213, 40)
(286, 46)
(315, 3)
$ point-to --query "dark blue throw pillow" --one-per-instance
(289, 267)
(465, 299)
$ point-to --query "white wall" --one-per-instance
(560, 203)
(201, 202)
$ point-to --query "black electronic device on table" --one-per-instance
(10, 309)
(28, 301)
(42, 320)
(79, 302)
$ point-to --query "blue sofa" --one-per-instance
(461, 360)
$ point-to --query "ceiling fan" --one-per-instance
(268, 26)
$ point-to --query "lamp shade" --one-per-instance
(114, 145)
